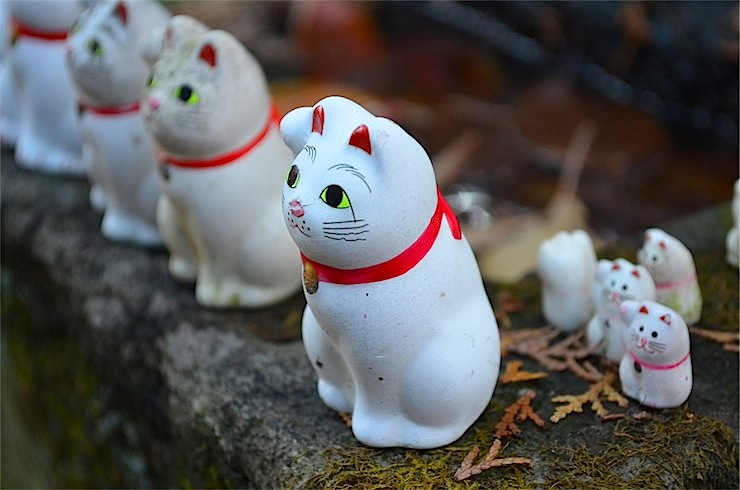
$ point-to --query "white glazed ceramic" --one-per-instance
(398, 326)
(222, 165)
(616, 281)
(671, 265)
(656, 367)
(733, 238)
(103, 58)
(9, 110)
(566, 265)
(48, 135)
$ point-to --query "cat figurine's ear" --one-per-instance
(121, 12)
(207, 54)
(629, 309)
(602, 268)
(178, 31)
(297, 125)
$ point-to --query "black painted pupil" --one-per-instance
(94, 46)
(293, 175)
(624, 287)
(185, 93)
(654, 334)
(642, 328)
(334, 195)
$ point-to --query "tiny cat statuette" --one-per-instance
(398, 326)
(566, 265)
(733, 237)
(615, 281)
(222, 165)
(656, 367)
(48, 136)
(102, 55)
(672, 267)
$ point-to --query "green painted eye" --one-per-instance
(334, 196)
(292, 178)
(186, 94)
(94, 47)
(152, 82)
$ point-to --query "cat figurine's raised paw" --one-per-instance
(221, 165)
(566, 265)
(615, 282)
(672, 267)
(48, 135)
(398, 326)
(110, 75)
(656, 367)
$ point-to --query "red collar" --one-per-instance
(224, 158)
(658, 367)
(668, 286)
(401, 263)
(110, 111)
(20, 29)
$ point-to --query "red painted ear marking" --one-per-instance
(666, 319)
(208, 54)
(122, 12)
(361, 139)
(662, 245)
(635, 273)
(616, 267)
(317, 125)
(643, 309)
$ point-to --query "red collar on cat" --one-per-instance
(401, 263)
(224, 158)
(667, 286)
(111, 110)
(20, 29)
(658, 367)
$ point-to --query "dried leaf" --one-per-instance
(729, 340)
(346, 418)
(601, 389)
(491, 460)
(514, 374)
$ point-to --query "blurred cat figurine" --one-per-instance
(9, 110)
(616, 281)
(48, 134)
(672, 267)
(566, 265)
(732, 241)
(656, 367)
(110, 76)
(222, 165)
(398, 326)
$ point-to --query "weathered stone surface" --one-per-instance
(228, 398)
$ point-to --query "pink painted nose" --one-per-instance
(153, 103)
(643, 341)
(295, 208)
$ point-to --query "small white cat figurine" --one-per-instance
(671, 265)
(656, 367)
(566, 265)
(733, 237)
(48, 136)
(102, 55)
(9, 110)
(616, 281)
(222, 165)
(398, 326)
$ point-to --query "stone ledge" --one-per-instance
(233, 393)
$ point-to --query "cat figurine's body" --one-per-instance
(222, 164)
(110, 77)
(398, 326)
(48, 136)
(615, 281)
(656, 368)
(732, 241)
(9, 110)
(566, 265)
(672, 267)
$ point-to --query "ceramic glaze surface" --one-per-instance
(672, 267)
(566, 265)
(222, 165)
(732, 241)
(615, 281)
(48, 136)
(102, 55)
(9, 110)
(656, 367)
(398, 326)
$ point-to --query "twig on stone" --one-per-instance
(601, 389)
(537, 336)
(491, 460)
(729, 340)
(519, 411)
(514, 374)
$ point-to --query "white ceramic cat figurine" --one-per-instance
(616, 281)
(733, 237)
(656, 367)
(671, 265)
(102, 55)
(398, 326)
(566, 265)
(222, 166)
(9, 110)
(48, 135)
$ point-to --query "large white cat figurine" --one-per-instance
(672, 267)
(732, 241)
(656, 367)
(566, 265)
(398, 326)
(48, 136)
(616, 281)
(102, 54)
(222, 165)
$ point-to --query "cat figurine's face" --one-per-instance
(102, 50)
(620, 280)
(655, 334)
(204, 92)
(360, 190)
(665, 257)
